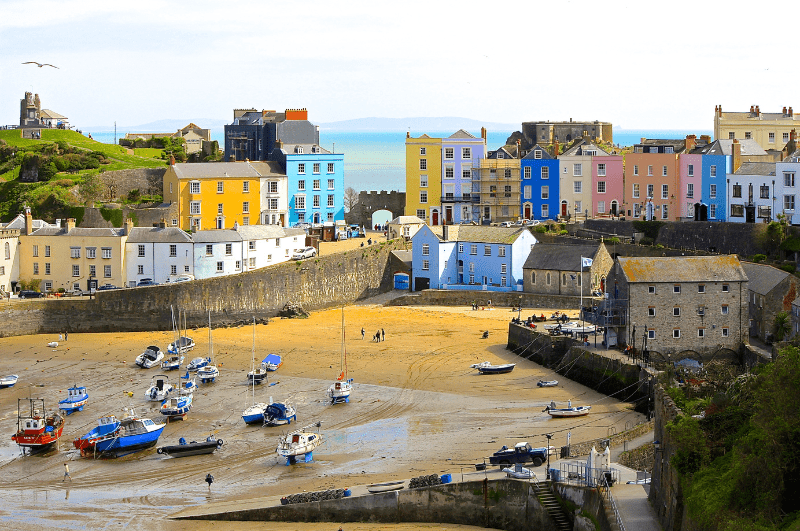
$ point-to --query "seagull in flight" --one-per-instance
(39, 64)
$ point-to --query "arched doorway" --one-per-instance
(614, 206)
(381, 217)
(435, 217)
(527, 211)
(563, 209)
(316, 217)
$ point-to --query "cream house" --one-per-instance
(9, 260)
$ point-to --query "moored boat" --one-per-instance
(113, 436)
(278, 414)
(386, 487)
(177, 407)
(181, 345)
(198, 363)
(184, 449)
(172, 363)
(272, 362)
(519, 472)
(547, 383)
(299, 443)
(569, 411)
(151, 357)
(486, 367)
(77, 397)
(208, 374)
(254, 414)
(340, 390)
(8, 381)
(160, 388)
(36, 428)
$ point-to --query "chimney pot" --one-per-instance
(752, 109)
(790, 112)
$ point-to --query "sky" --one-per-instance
(638, 65)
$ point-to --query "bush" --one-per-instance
(613, 240)
(541, 229)
(759, 258)
(563, 232)
(789, 268)
(646, 241)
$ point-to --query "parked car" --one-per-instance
(107, 287)
(146, 282)
(506, 224)
(30, 294)
(75, 292)
(180, 278)
(306, 252)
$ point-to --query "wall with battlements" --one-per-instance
(371, 202)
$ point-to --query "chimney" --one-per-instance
(758, 111)
(790, 112)
(519, 149)
(445, 232)
(705, 139)
(483, 133)
(784, 110)
(736, 152)
(128, 226)
(70, 224)
(408, 134)
(691, 142)
(720, 110)
(172, 160)
(28, 221)
(279, 144)
(793, 135)
(162, 224)
(555, 148)
(752, 109)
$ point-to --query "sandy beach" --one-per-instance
(417, 408)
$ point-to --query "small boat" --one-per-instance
(560, 326)
(151, 357)
(258, 374)
(160, 388)
(53, 344)
(385, 487)
(208, 373)
(177, 407)
(36, 428)
(569, 411)
(578, 328)
(189, 386)
(299, 443)
(486, 367)
(172, 363)
(113, 437)
(272, 362)
(547, 383)
(340, 390)
(278, 414)
(77, 397)
(8, 381)
(519, 472)
(183, 448)
(180, 346)
(198, 363)
(255, 413)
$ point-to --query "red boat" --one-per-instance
(36, 428)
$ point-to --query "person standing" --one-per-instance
(66, 473)
(362, 333)
(66, 335)
(383, 335)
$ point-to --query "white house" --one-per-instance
(403, 227)
(9, 260)
(157, 253)
(470, 257)
(274, 193)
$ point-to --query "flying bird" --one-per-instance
(39, 64)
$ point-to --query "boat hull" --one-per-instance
(129, 443)
(279, 415)
(72, 407)
(569, 412)
(497, 369)
(8, 381)
(40, 440)
(192, 448)
(254, 414)
(549, 383)
(385, 487)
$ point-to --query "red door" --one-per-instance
(528, 212)
(564, 209)
(435, 217)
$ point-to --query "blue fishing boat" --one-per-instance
(114, 437)
(177, 407)
(272, 362)
(198, 363)
(172, 363)
(254, 414)
(278, 414)
(77, 397)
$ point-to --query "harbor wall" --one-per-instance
(506, 504)
(317, 283)
(446, 297)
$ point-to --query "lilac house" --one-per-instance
(458, 152)
(470, 257)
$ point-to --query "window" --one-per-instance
(676, 311)
(664, 191)
(724, 332)
(701, 332)
(272, 204)
(545, 172)
(76, 270)
(449, 172)
(772, 138)
(35, 250)
(194, 187)
(141, 251)
(747, 135)
(246, 207)
(690, 190)
(106, 252)
(763, 191)
(601, 170)
(788, 202)
(209, 249)
(220, 267)
(731, 135)
(473, 249)
(737, 211)
(460, 247)
(507, 173)
(650, 189)
(423, 196)
(423, 164)
(737, 190)
(785, 137)
(601, 207)
(140, 270)
(245, 187)
(107, 271)
(676, 333)
(173, 270)
(75, 252)
(426, 265)
(301, 168)
(788, 178)
(426, 249)
(651, 290)
(636, 169)
(545, 192)
(526, 192)
(526, 173)
(664, 213)
(422, 151)
(315, 168)
(251, 245)
(315, 184)
(421, 213)
(690, 170)
(651, 334)
(712, 170)
(331, 184)
(423, 181)
(472, 267)
(577, 186)
(273, 187)
(725, 288)
(47, 268)
(712, 191)
(664, 171)
(331, 201)
(649, 170)
(472, 279)
(299, 202)
(219, 187)
(92, 271)
(577, 170)
(8, 251)
(36, 268)
(448, 153)
(173, 250)
(651, 311)
(466, 153)
(501, 251)
(701, 288)
(636, 190)
(466, 174)
(229, 249)
(601, 187)
(724, 309)
(545, 211)
(194, 208)
(503, 269)
(487, 250)
(533, 277)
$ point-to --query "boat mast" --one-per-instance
(210, 339)
(344, 363)
(253, 363)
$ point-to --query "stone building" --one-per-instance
(695, 306)
(770, 291)
(553, 269)
(770, 129)
(565, 132)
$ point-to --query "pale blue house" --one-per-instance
(470, 257)
(315, 180)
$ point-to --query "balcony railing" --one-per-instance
(610, 312)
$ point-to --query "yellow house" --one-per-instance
(424, 178)
(73, 258)
(772, 130)
(214, 195)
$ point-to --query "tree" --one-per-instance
(783, 325)
(350, 198)
(90, 188)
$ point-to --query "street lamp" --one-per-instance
(549, 436)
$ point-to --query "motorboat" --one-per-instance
(258, 374)
(189, 386)
(519, 472)
(272, 362)
(208, 373)
(113, 436)
(8, 381)
(278, 414)
(569, 411)
(340, 390)
(198, 363)
(172, 363)
(560, 326)
(151, 357)
(547, 383)
(77, 397)
(578, 328)
(181, 345)
(160, 389)
(53, 344)
(299, 443)
(385, 487)
(254, 414)
(184, 449)
(36, 428)
(486, 367)
(176, 407)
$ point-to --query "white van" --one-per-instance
(174, 279)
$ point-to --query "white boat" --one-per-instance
(198, 363)
(176, 407)
(279, 413)
(160, 389)
(254, 413)
(486, 367)
(181, 345)
(8, 381)
(385, 487)
(299, 443)
(519, 472)
(189, 386)
(209, 372)
(340, 390)
(53, 344)
(547, 383)
(151, 357)
(172, 363)
(569, 411)
(559, 326)
(578, 328)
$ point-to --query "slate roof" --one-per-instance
(402, 220)
(723, 147)
(462, 134)
(80, 231)
(268, 168)
(531, 154)
(217, 170)
(559, 257)
(763, 278)
(19, 223)
(158, 235)
(683, 269)
(763, 116)
(509, 152)
(581, 147)
(260, 232)
(216, 236)
(479, 233)
(294, 232)
(756, 168)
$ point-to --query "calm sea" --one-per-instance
(376, 160)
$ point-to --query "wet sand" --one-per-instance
(417, 408)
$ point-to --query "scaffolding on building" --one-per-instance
(498, 181)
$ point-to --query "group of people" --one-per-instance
(476, 306)
(379, 336)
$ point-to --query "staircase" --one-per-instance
(546, 497)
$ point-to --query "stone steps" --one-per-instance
(554, 509)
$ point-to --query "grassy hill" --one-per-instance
(71, 180)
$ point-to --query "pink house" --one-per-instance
(607, 185)
(689, 184)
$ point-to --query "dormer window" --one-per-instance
(298, 149)
(537, 154)
(500, 155)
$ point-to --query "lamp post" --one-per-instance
(549, 436)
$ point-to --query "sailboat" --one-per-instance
(299, 443)
(340, 390)
(210, 372)
(174, 361)
(255, 413)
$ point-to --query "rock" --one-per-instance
(293, 310)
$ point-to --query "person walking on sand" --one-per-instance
(383, 335)
(378, 336)
(362, 333)
(66, 473)
(66, 335)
